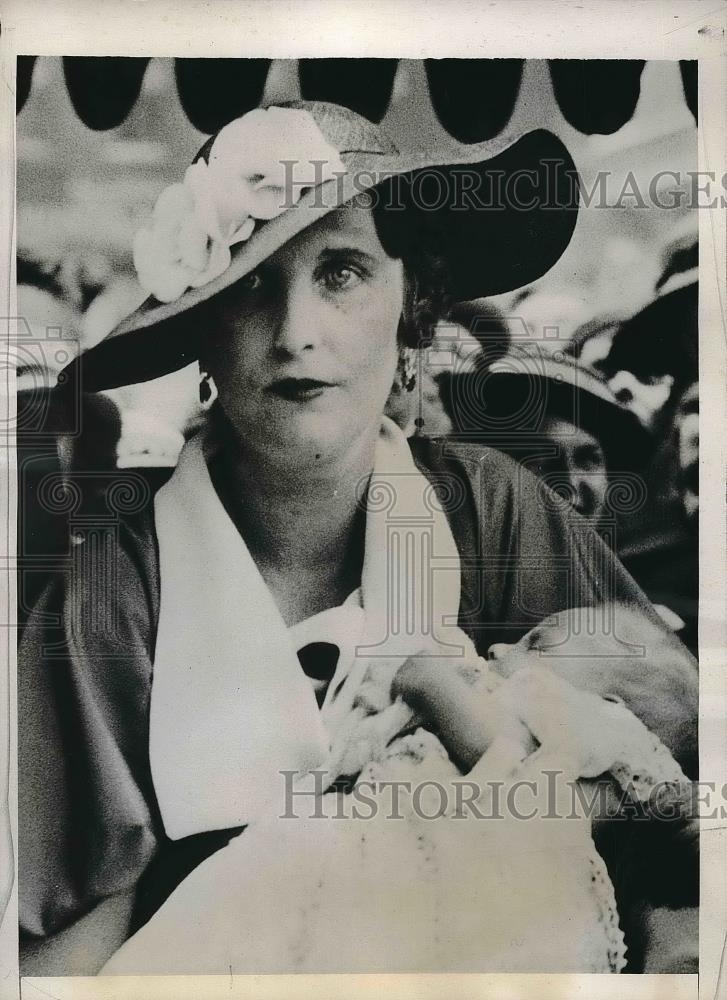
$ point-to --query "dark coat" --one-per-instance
(89, 825)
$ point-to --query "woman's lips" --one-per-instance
(299, 390)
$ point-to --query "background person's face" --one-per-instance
(303, 351)
(582, 459)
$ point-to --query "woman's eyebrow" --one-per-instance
(334, 253)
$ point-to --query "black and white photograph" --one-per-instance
(357, 574)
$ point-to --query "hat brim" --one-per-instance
(506, 408)
(491, 243)
(661, 339)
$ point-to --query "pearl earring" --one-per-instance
(206, 387)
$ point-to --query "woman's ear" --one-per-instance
(407, 333)
(207, 387)
(426, 301)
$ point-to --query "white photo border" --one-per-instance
(688, 29)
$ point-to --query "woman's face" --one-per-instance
(584, 464)
(303, 350)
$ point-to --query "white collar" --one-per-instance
(230, 705)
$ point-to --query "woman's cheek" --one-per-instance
(371, 348)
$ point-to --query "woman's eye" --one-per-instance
(587, 457)
(340, 278)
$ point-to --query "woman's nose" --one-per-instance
(497, 650)
(584, 499)
(298, 321)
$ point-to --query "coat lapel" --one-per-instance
(230, 705)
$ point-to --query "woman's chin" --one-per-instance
(308, 441)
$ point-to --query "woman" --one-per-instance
(176, 696)
(560, 420)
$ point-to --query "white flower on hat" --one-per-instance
(258, 166)
(261, 162)
(177, 253)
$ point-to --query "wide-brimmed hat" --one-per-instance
(504, 212)
(662, 338)
(486, 325)
(507, 405)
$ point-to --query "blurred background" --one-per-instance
(608, 336)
